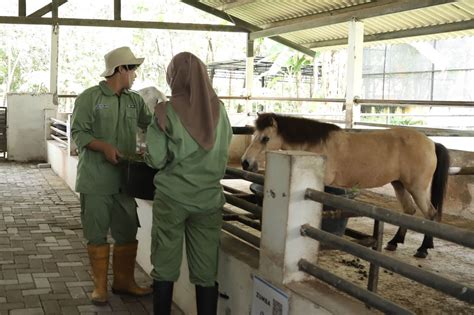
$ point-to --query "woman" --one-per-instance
(188, 144)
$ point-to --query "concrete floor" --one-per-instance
(43, 258)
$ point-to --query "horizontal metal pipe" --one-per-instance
(339, 283)
(252, 177)
(432, 132)
(243, 130)
(459, 291)
(59, 140)
(64, 133)
(251, 216)
(291, 99)
(246, 236)
(336, 100)
(248, 206)
(232, 190)
(58, 121)
(464, 170)
(412, 102)
(447, 232)
(245, 218)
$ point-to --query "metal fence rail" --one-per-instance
(368, 297)
(251, 177)
(3, 131)
(447, 232)
(445, 285)
(59, 135)
(411, 102)
(232, 197)
(246, 236)
(243, 204)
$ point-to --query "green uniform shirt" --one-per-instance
(188, 174)
(101, 114)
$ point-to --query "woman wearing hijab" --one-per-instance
(188, 144)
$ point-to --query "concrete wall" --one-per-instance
(62, 163)
(27, 131)
(460, 194)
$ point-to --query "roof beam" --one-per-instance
(421, 31)
(234, 4)
(117, 9)
(46, 9)
(21, 7)
(363, 11)
(121, 23)
(249, 27)
(54, 8)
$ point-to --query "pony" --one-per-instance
(151, 96)
(416, 166)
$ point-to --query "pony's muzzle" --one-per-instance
(250, 166)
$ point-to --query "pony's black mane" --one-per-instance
(296, 129)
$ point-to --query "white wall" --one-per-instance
(62, 163)
(27, 131)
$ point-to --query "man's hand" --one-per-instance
(110, 152)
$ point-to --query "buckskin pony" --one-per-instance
(416, 166)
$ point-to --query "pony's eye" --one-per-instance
(265, 139)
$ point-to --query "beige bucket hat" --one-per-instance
(119, 57)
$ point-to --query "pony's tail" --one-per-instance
(440, 179)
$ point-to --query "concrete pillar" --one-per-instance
(288, 174)
(354, 71)
(249, 73)
(53, 80)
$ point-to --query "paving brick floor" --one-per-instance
(43, 259)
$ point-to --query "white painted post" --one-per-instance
(288, 174)
(71, 145)
(53, 79)
(354, 71)
(249, 74)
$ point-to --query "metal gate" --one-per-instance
(3, 132)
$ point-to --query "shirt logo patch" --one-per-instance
(101, 106)
(131, 106)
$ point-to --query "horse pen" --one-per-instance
(313, 243)
(449, 260)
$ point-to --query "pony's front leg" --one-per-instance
(398, 238)
(422, 251)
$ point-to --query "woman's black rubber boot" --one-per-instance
(162, 297)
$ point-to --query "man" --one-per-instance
(104, 124)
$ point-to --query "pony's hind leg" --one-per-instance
(422, 199)
(408, 207)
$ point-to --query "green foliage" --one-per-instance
(296, 63)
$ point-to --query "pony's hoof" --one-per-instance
(420, 254)
(391, 247)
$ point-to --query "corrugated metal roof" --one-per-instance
(431, 21)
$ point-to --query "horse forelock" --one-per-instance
(296, 129)
(264, 121)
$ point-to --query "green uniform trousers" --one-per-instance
(171, 224)
(117, 212)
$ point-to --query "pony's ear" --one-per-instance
(274, 122)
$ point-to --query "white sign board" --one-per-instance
(267, 299)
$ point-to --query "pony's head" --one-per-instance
(265, 137)
(275, 132)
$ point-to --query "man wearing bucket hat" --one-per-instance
(104, 124)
